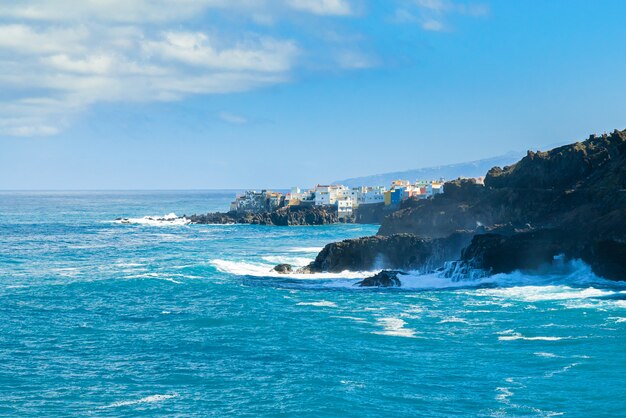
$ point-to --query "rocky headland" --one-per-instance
(566, 203)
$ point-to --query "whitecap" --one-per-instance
(147, 399)
(321, 303)
(518, 336)
(617, 319)
(546, 355)
(394, 327)
(562, 370)
(352, 385)
(353, 318)
(504, 394)
(453, 319)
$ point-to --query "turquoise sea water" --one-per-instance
(99, 318)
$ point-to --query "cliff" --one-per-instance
(570, 200)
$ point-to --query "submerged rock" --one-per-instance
(386, 278)
(283, 268)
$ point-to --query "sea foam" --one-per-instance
(240, 268)
(171, 219)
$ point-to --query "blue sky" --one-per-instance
(196, 94)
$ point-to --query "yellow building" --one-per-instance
(388, 198)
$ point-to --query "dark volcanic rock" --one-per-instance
(532, 250)
(214, 218)
(303, 215)
(375, 213)
(289, 215)
(524, 251)
(386, 278)
(283, 268)
(607, 258)
(400, 251)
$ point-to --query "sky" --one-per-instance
(206, 94)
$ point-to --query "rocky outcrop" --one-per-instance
(524, 251)
(533, 250)
(216, 218)
(386, 278)
(285, 216)
(283, 268)
(569, 201)
(399, 251)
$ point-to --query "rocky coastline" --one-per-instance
(296, 216)
(285, 216)
(566, 203)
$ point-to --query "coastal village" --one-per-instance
(344, 199)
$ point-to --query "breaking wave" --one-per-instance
(240, 268)
(572, 283)
(171, 219)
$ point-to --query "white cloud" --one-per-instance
(355, 60)
(59, 57)
(438, 5)
(232, 118)
(25, 39)
(322, 7)
(198, 49)
(53, 69)
(431, 15)
(451, 6)
(120, 11)
(431, 24)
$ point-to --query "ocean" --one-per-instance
(102, 318)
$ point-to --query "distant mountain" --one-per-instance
(449, 172)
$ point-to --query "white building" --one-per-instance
(372, 195)
(328, 195)
(322, 195)
(344, 207)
